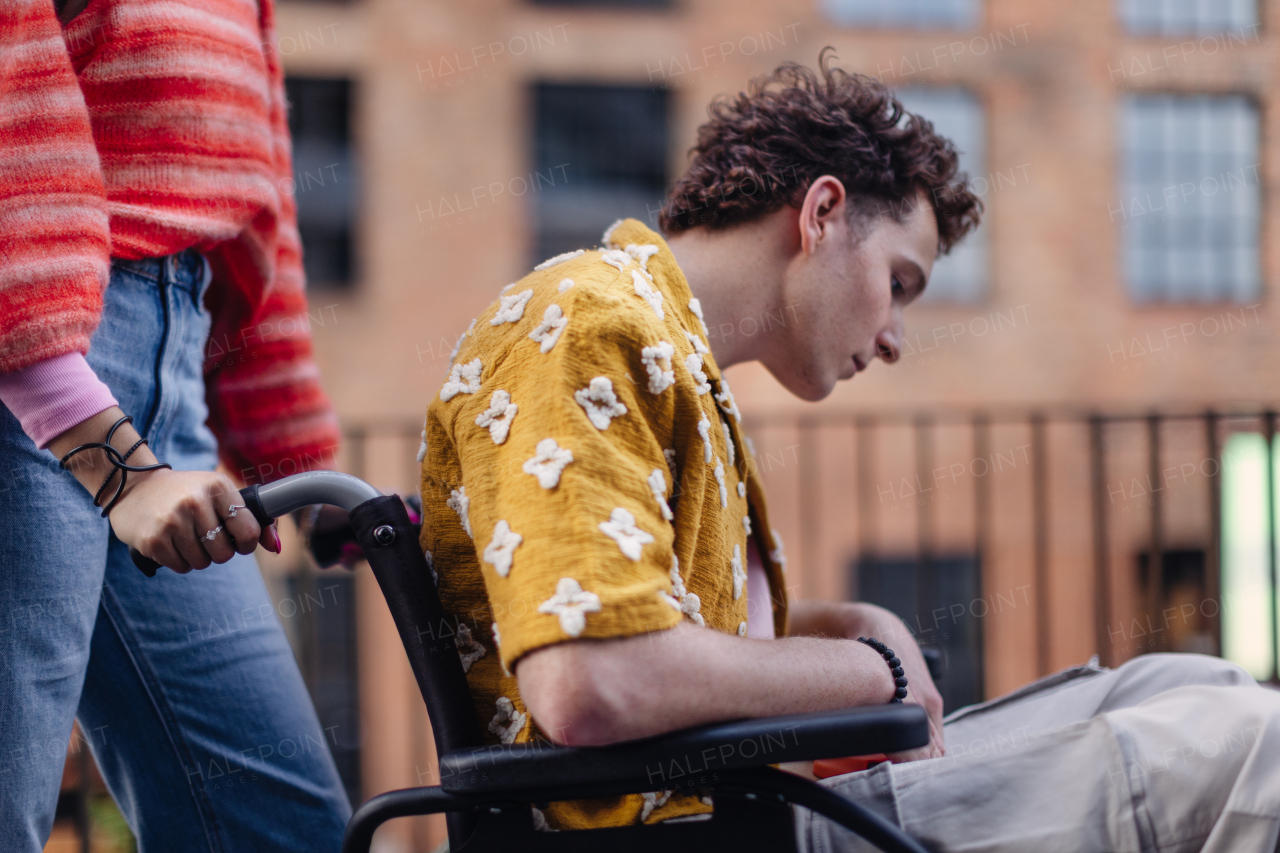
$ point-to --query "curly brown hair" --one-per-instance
(764, 148)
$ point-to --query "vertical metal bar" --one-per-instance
(1155, 560)
(809, 521)
(1101, 545)
(867, 529)
(981, 533)
(925, 586)
(356, 463)
(1213, 557)
(1269, 433)
(864, 452)
(1040, 520)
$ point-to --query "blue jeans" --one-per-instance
(184, 685)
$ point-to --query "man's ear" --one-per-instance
(824, 205)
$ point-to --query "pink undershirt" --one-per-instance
(51, 396)
(759, 607)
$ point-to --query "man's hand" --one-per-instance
(167, 515)
(856, 619)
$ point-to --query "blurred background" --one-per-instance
(1070, 459)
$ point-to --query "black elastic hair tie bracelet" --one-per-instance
(895, 667)
(117, 459)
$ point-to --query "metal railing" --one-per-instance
(1083, 491)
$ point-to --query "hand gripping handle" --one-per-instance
(272, 500)
(248, 496)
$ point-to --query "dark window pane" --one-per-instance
(943, 607)
(599, 154)
(325, 177)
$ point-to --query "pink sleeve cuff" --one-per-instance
(51, 396)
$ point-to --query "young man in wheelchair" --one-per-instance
(601, 534)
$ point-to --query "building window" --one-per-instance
(960, 276)
(1189, 17)
(325, 178)
(923, 595)
(599, 154)
(916, 14)
(1190, 198)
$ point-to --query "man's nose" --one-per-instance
(889, 342)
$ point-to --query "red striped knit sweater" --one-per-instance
(147, 127)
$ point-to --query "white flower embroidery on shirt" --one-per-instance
(670, 456)
(777, 555)
(599, 402)
(697, 344)
(742, 489)
(431, 567)
(572, 605)
(616, 258)
(642, 254)
(742, 629)
(746, 524)
(540, 821)
(658, 485)
(696, 307)
(681, 599)
(724, 492)
(512, 308)
(559, 259)
(728, 441)
(751, 445)
(508, 722)
(693, 363)
(506, 288)
(725, 399)
(739, 575)
(565, 284)
(647, 293)
(454, 354)
(652, 801)
(498, 417)
(607, 237)
(704, 430)
(468, 649)
(460, 503)
(548, 331)
(422, 448)
(501, 548)
(463, 379)
(621, 528)
(548, 462)
(659, 379)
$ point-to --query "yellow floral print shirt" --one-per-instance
(584, 475)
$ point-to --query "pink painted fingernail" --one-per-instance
(275, 537)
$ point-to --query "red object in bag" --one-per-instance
(824, 767)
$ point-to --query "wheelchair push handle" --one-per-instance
(269, 502)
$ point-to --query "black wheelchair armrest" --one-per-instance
(677, 758)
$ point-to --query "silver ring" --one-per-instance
(213, 534)
(232, 509)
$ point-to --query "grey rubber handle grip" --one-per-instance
(269, 502)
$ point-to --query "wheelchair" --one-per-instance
(486, 791)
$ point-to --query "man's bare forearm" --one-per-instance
(604, 691)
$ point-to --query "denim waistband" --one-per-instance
(187, 270)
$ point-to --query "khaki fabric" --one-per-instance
(1166, 754)
(586, 476)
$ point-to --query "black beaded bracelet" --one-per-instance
(895, 667)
